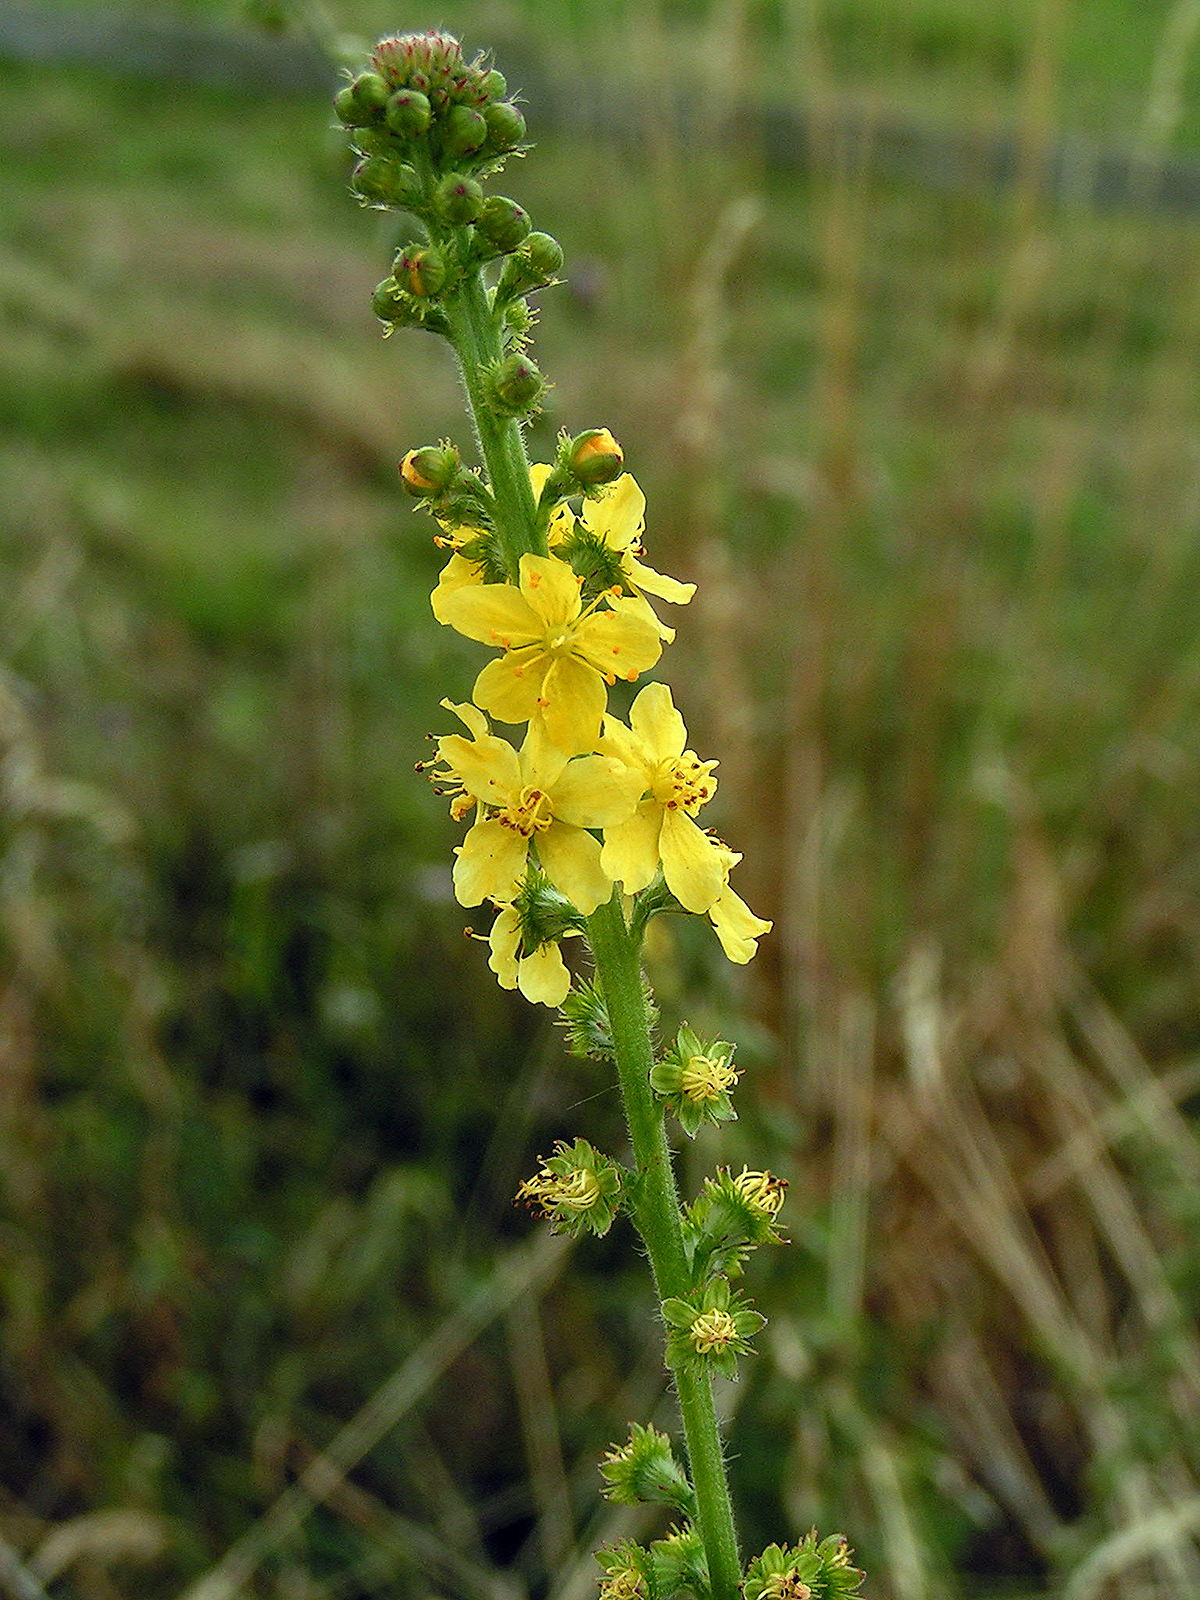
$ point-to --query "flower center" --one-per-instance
(625, 1584)
(763, 1190)
(705, 1077)
(684, 783)
(712, 1330)
(529, 813)
(786, 1586)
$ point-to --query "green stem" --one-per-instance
(476, 339)
(659, 1221)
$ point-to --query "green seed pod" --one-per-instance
(409, 113)
(503, 224)
(459, 199)
(388, 302)
(422, 271)
(516, 385)
(464, 131)
(371, 92)
(386, 182)
(505, 125)
(494, 85)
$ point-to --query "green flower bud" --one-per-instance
(386, 182)
(505, 125)
(464, 131)
(388, 302)
(347, 109)
(374, 142)
(503, 224)
(494, 86)
(371, 93)
(422, 271)
(516, 385)
(544, 254)
(430, 470)
(409, 113)
(459, 199)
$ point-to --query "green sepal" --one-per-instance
(726, 1222)
(628, 1573)
(585, 1014)
(595, 562)
(577, 1189)
(678, 1564)
(690, 1080)
(814, 1569)
(709, 1329)
(645, 1471)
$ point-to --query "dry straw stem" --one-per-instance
(525, 1272)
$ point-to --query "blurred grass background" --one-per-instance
(928, 441)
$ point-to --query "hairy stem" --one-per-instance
(659, 1221)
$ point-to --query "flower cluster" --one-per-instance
(592, 801)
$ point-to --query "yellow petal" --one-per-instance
(541, 761)
(617, 740)
(494, 613)
(571, 860)
(543, 976)
(657, 583)
(570, 703)
(636, 605)
(657, 724)
(737, 927)
(620, 516)
(619, 642)
(473, 719)
(692, 865)
(510, 687)
(487, 768)
(504, 942)
(630, 853)
(551, 590)
(489, 864)
(596, 791)
(458, 573)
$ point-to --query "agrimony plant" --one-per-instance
(588, 828)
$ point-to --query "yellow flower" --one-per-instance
(541, 977)
(676, 784)
(619, 519)
(557, 654)
(537, 795)
(736, 925)
(460, 570)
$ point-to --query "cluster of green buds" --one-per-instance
(430, 129)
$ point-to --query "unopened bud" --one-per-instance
(595, 457)
(503, 224)
(388, 302)
(544, 255)
(505, 125)
(371, 92)
(387, 182)
(430, 469)
(517, 384)
(347, 109)
(409, 113)
(494, 85)
(422, 271)
(464, 131)
(459, 199)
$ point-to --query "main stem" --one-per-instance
(657, 1216)
(656, 1212)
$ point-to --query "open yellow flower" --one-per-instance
(557, 653)
(535, 796)
(676, 784)
(541, 976)
(736, 925)
(619, 519)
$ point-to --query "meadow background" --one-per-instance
(895, 306)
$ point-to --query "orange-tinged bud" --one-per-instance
(430, 469)
(595, 457)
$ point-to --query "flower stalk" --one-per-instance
(589, 828)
